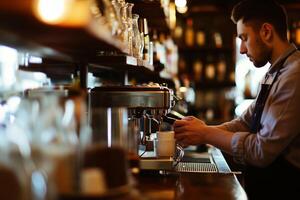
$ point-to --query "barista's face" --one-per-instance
(252, 44)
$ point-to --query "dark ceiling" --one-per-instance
(230, 2)
(196, 6)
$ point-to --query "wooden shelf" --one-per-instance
(118, 62)
(102, 66)
(51, 69)
(145, 64)
(136, 69)
(22, 30)
(73, 48)
(121, 62)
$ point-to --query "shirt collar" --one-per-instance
(282, 58)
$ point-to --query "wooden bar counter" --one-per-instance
(174, 185)
(189, 185)
(219, 183)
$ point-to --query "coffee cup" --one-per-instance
(165, 144)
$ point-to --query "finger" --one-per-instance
(179, 123)
(179, 137)
(188, 118)
(179, 130)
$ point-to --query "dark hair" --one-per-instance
(258, 12)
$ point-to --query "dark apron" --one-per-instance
(279, 179)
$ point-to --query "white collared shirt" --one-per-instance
(280, 132)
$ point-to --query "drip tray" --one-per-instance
(197, 167)
(197, 163)
(211, 161)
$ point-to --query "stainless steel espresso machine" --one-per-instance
(127, 115)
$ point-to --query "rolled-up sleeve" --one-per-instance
(237, 145)
(241, 128)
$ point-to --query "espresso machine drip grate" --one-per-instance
(196, 167)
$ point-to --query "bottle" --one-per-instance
(178, 32)
(210, 71)
(209, 114)
(136, 42)
(141, 30)
(129, 7)
(218, 41)
(221, 69)
(146, 41)
(189, 33)
(181, 65)
(150, 52)
(200, 38)
(197, 69)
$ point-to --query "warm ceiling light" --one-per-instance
(63, 12)
(182, 10)
(180, 3)
(51, 11)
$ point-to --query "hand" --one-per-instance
(189, 131)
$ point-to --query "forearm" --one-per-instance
(219, 138)
(221, 127)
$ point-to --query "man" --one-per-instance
(266, 137)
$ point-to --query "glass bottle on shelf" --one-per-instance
(146, 39)
(137, 40)
(117, 7)
(217, 38)
(129, 7)
(125, 34)
(197, 70)
(141, 30)
(209, 114)
(111, 14)
(178, 32)
(221, 69)
(232, 76)
(181, 65)
(150, 53)
(189, 33)
(200, 38)
(210, 70)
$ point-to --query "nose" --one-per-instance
(243, 49)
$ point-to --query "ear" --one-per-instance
(266, 31)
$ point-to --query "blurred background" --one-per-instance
(53, 52)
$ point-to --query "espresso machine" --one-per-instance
(127, 116)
